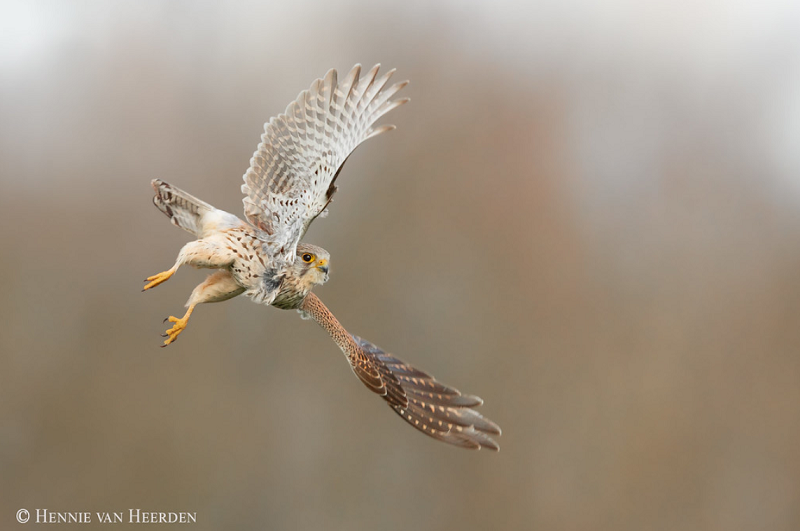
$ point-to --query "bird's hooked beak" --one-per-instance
(322, 265)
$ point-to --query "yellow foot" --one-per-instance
(179, 326)
(155, 280)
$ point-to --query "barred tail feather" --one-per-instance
(188, 212)
(430, 406)
(433, 408)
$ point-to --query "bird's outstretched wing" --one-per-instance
(292, 173)
(430, 406)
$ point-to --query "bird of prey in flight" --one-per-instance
(290, 183)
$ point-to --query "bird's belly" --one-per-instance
(261, 285)
(289, 299)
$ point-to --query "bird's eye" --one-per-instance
(308, 257)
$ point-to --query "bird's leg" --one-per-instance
(199, 253)
(217, 287)
(178, 327)
(158, 278)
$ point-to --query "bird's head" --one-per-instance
(311, 264)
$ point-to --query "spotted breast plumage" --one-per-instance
(290, 183)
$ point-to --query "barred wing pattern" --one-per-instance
(430, 406)
(291, 176)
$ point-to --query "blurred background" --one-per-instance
(589, 215)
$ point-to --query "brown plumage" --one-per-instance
(430, 406)
(289, 184)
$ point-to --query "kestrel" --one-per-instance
(289, 184)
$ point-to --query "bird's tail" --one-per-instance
(430, 406)
(183, 209)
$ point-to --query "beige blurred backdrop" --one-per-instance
(589, 215)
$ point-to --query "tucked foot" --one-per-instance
(155, 280)
(179, 326)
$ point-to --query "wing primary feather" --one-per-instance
(328, 87)
(389, 106)
(375, 89)
(384, 96)
(292, 173)
(379, 130)
(350, 82)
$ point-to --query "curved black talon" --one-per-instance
(165, 319)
